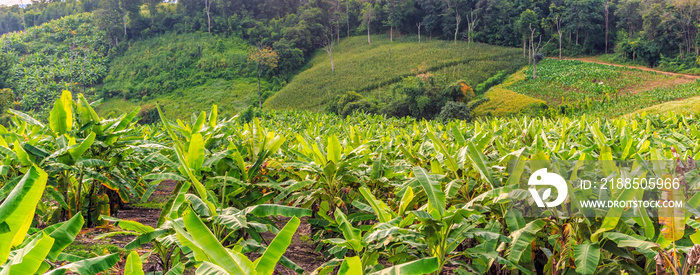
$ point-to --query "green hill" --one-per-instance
(184, 73)
(64, 54)
(370, 68)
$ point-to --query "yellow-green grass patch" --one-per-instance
(504, 102)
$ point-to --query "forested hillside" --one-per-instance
(66, 54)
(639, 30)
(652, 33)
(345, 137)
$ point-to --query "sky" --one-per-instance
(12, 2)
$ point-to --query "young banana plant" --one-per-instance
(213, 258)
(326, 173)
(84, 155)
(35, 253)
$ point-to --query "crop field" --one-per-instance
(67, 53)
(362, 195)
(601, 90)
(370, 68)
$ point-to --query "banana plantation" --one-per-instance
(381, 196)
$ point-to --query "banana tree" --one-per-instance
(213, 258)
(35, 253)
(86, 156)
(326, 173)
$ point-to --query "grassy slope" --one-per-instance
(686, 106)
(63, 54)
(505, 102)
(184, 73)
(371, 68)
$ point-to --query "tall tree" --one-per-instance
(153, 9)
(607, 22)
(368, 14)
(394, 10)
(431, 15)
(687, 17)
(109, 19)
(555, 13)
(583, 17)
(21, 10)
(265, 59)
(418, 25)
(472, 21)
(207, 9)
(527, 24)
(629, 14)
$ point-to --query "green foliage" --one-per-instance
(639, 49)
(6, 64)
(454, 110)
(389, 194)
(370, 69)
(184, 72)
(173, 63)
(7, 99)
(350, 102)
(148, 114)
(576, 87)
(87, 159)
(64, 54)
(504, 102)
(251, 112)
(426, 95)
(32, 250)
(492, 81)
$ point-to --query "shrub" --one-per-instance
(350, 102)
(364, 105)
(6, 63)
(398, 108)
(148, 114)
(249, 113)
(426, 95)
(6, 99)
(454, 110)
(459, 91)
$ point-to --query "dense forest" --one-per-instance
(648, 31)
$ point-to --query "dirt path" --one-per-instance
(586, 59)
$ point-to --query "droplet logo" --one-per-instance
(541, 177)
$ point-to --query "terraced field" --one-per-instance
(370, 68)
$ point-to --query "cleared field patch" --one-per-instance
(368, 68)
(504, 102)
(577, 87)
(569, 81)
